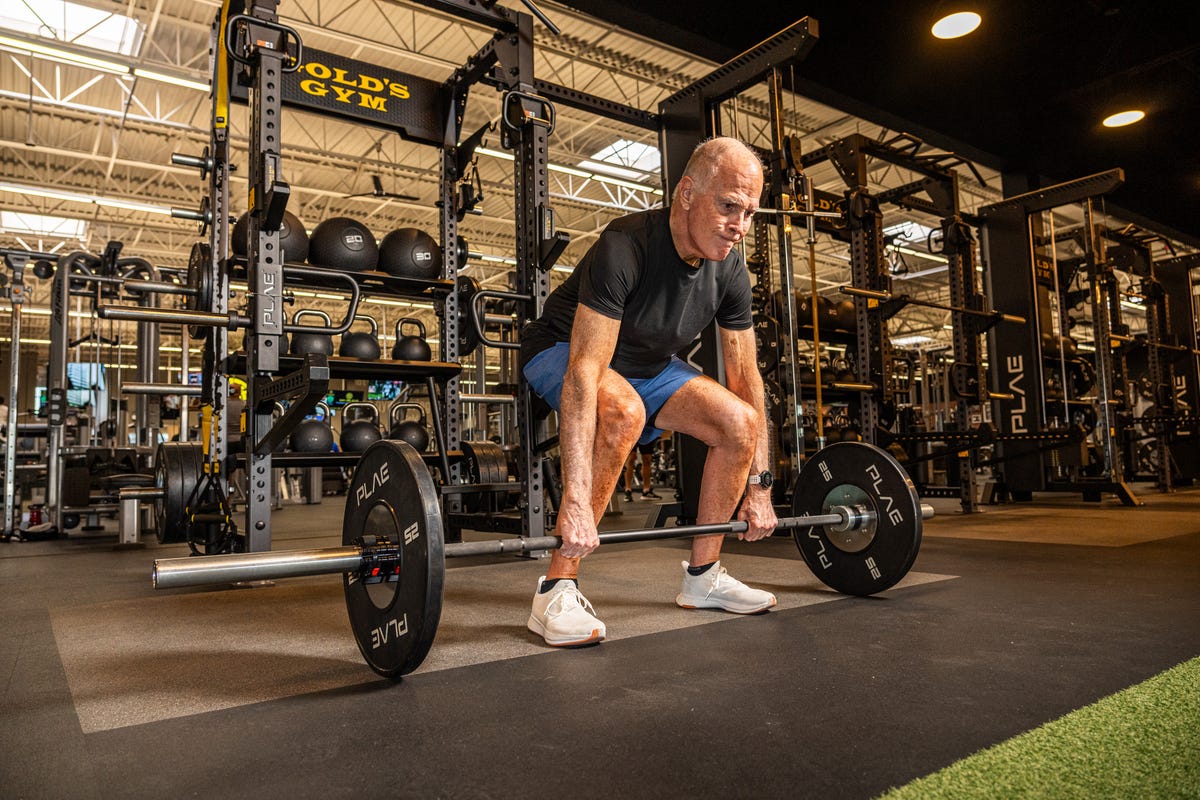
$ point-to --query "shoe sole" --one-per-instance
(594, 638)
(699, 604)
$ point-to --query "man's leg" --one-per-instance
(620, 418)
(711, 413)
(704, 409)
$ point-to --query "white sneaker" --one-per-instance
(716, 588)
(563, 616)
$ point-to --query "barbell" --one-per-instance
(857, 525)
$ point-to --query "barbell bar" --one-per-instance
(178, 573)
(886, 297)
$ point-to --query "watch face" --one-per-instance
(765, 479)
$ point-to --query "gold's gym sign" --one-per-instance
(331, 84)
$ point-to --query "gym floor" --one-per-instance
(1009, 619)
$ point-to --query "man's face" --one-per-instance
(719, 214)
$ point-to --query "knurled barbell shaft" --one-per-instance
(176, 573)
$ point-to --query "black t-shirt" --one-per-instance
(633, 273)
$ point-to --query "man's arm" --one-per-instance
(593, 340)
(743, 379)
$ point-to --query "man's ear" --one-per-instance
(686, 187)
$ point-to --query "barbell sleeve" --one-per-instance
(871, 293)
(144, 314)
(175, 573)
(190, 390)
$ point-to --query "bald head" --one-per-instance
(711, 155)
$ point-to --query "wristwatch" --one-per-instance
(763, 479)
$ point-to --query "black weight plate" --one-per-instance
(766, 334)
(871, 559)
(392, 495)
(773, 404)
(466, 288)
(176, 471)
(199, 277)
(486, 463)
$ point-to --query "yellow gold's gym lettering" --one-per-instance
(365, 91)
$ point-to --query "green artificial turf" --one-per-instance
(1143, 742)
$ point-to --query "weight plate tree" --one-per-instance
(393, 558)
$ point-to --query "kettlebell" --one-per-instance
(362, 345)
(411, 348)
(844, 372)
(320, 343)
(313, 434)
(412, 431)
(359, 434)
(804, 371)
(827, 374)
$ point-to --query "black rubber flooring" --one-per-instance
(839, 699)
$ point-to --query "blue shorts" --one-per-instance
(546, 370)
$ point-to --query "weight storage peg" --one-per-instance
(411, 348)
(362, 345)
(857, 525)
(359, 434)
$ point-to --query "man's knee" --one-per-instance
(740, 424)
(620, 418)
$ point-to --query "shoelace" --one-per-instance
(567, 599)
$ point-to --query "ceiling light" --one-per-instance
(1124, 118)
(956, 25)
(175, 80)
(640, 187)
(75, 197)
(64, 55)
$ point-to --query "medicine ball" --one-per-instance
(410, 253)
(292, 237)
(343, 243)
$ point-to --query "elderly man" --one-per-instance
(603, 355)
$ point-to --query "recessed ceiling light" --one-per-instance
(956, 25)
(1124, 118)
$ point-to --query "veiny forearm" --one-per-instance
(577, 434)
